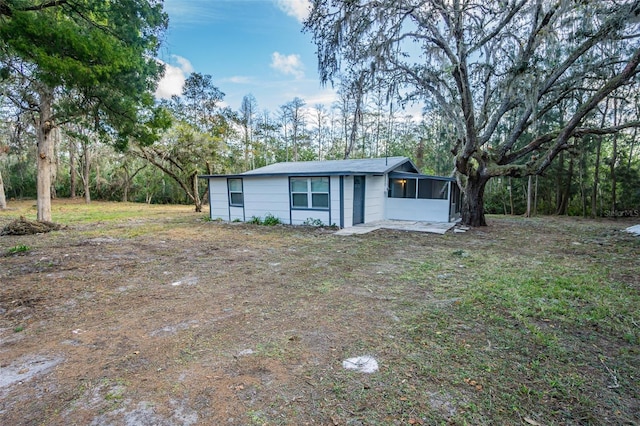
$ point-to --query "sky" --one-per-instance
(248, 47)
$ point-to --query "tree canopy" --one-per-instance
(519, 79)
(93, 60)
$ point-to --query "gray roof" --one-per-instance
(367, 166)
(347, 167)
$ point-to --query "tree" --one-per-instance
(320, 117)
(293, 118)
(246, 118)
(490, 66)
(83, 59)
(195, 139)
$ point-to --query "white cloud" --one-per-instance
(288, 64)
(239, 79)
(184, 64)
(174, 77)
(299, 9)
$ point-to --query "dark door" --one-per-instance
(358, 199)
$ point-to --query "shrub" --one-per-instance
(271, 220)
(255, 220)
(313, 222)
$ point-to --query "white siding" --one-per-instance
(266, 195)
(418, 209)
(375, 195)
(335, 200)
(236, 213)
(219, 197)
(348, 201)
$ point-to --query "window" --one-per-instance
(432, 189)
(236, 197)
(402, 188)
(426, 188)
(309, 193)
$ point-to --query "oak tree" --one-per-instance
(494, 69)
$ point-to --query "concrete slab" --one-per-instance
(402, 225)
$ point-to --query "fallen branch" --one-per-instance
(615, 385)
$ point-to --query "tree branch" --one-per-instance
(627, 73)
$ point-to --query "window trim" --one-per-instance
(241, 192)
(416, 188)
(310, 193)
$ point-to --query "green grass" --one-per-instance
(20, 248)
(77, 212)
(527, 331)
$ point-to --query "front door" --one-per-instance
(358, 199)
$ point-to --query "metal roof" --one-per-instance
(371, 166)
(406, 175)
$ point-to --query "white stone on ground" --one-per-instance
(634, 229)
(363, 364)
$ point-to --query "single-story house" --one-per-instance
(337, 192)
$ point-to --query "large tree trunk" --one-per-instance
(45, 155)
(196, 194)
(3, 198)
(473, 202)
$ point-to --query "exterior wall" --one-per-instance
(334, 200)
(219, 199)
(236, 213)
(266, 195)
(375, 197)
(269, 195)
(299, 217)
(348, 201)
(417, 209)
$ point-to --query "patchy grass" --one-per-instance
(20, 248)
(161, 314)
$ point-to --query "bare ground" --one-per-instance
(171, 319)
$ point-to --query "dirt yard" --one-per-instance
(156, 316)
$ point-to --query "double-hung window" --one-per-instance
(309, 192)
(236, 197)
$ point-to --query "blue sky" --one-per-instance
(247, 46)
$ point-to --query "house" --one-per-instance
(337, 192)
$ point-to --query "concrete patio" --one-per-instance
(402, 225)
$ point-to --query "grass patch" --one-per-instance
(20, 248)
(526, 338)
